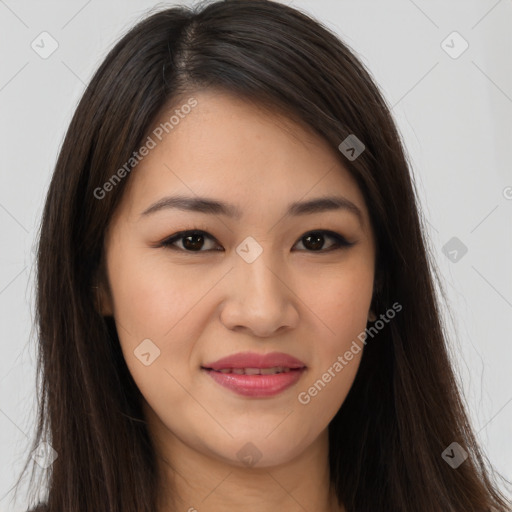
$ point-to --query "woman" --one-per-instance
(235, 303)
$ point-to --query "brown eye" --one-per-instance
(192, 241)
(314, 241)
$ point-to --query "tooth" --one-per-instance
(256, 371)
(274, 370)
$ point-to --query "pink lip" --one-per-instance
(256, 385)
(254, 360)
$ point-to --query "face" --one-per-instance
(283, 293)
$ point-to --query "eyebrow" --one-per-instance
(214, 207)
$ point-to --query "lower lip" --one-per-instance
(257, 385)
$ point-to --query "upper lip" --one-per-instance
(254, 360)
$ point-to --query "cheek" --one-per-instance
(321, 396)
(341, 302)
(151, 301)
(150, 295)
(341, 299)
(151, 304)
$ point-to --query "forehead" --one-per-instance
(233, 150)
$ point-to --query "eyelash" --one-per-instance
(340, 241)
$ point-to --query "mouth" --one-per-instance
(255, 371)
(256, 375)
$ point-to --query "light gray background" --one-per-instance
(455, 117)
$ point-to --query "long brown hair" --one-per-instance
(404, 408)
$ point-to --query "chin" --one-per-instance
(260, 452)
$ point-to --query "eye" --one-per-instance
(314, 240)
(194, 241)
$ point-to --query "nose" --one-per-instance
(258, 300)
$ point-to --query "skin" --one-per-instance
(197, 307)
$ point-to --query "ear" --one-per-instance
(372, 316)
(102, 294)
(377, 281)
(377, 289)
(104, 300)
